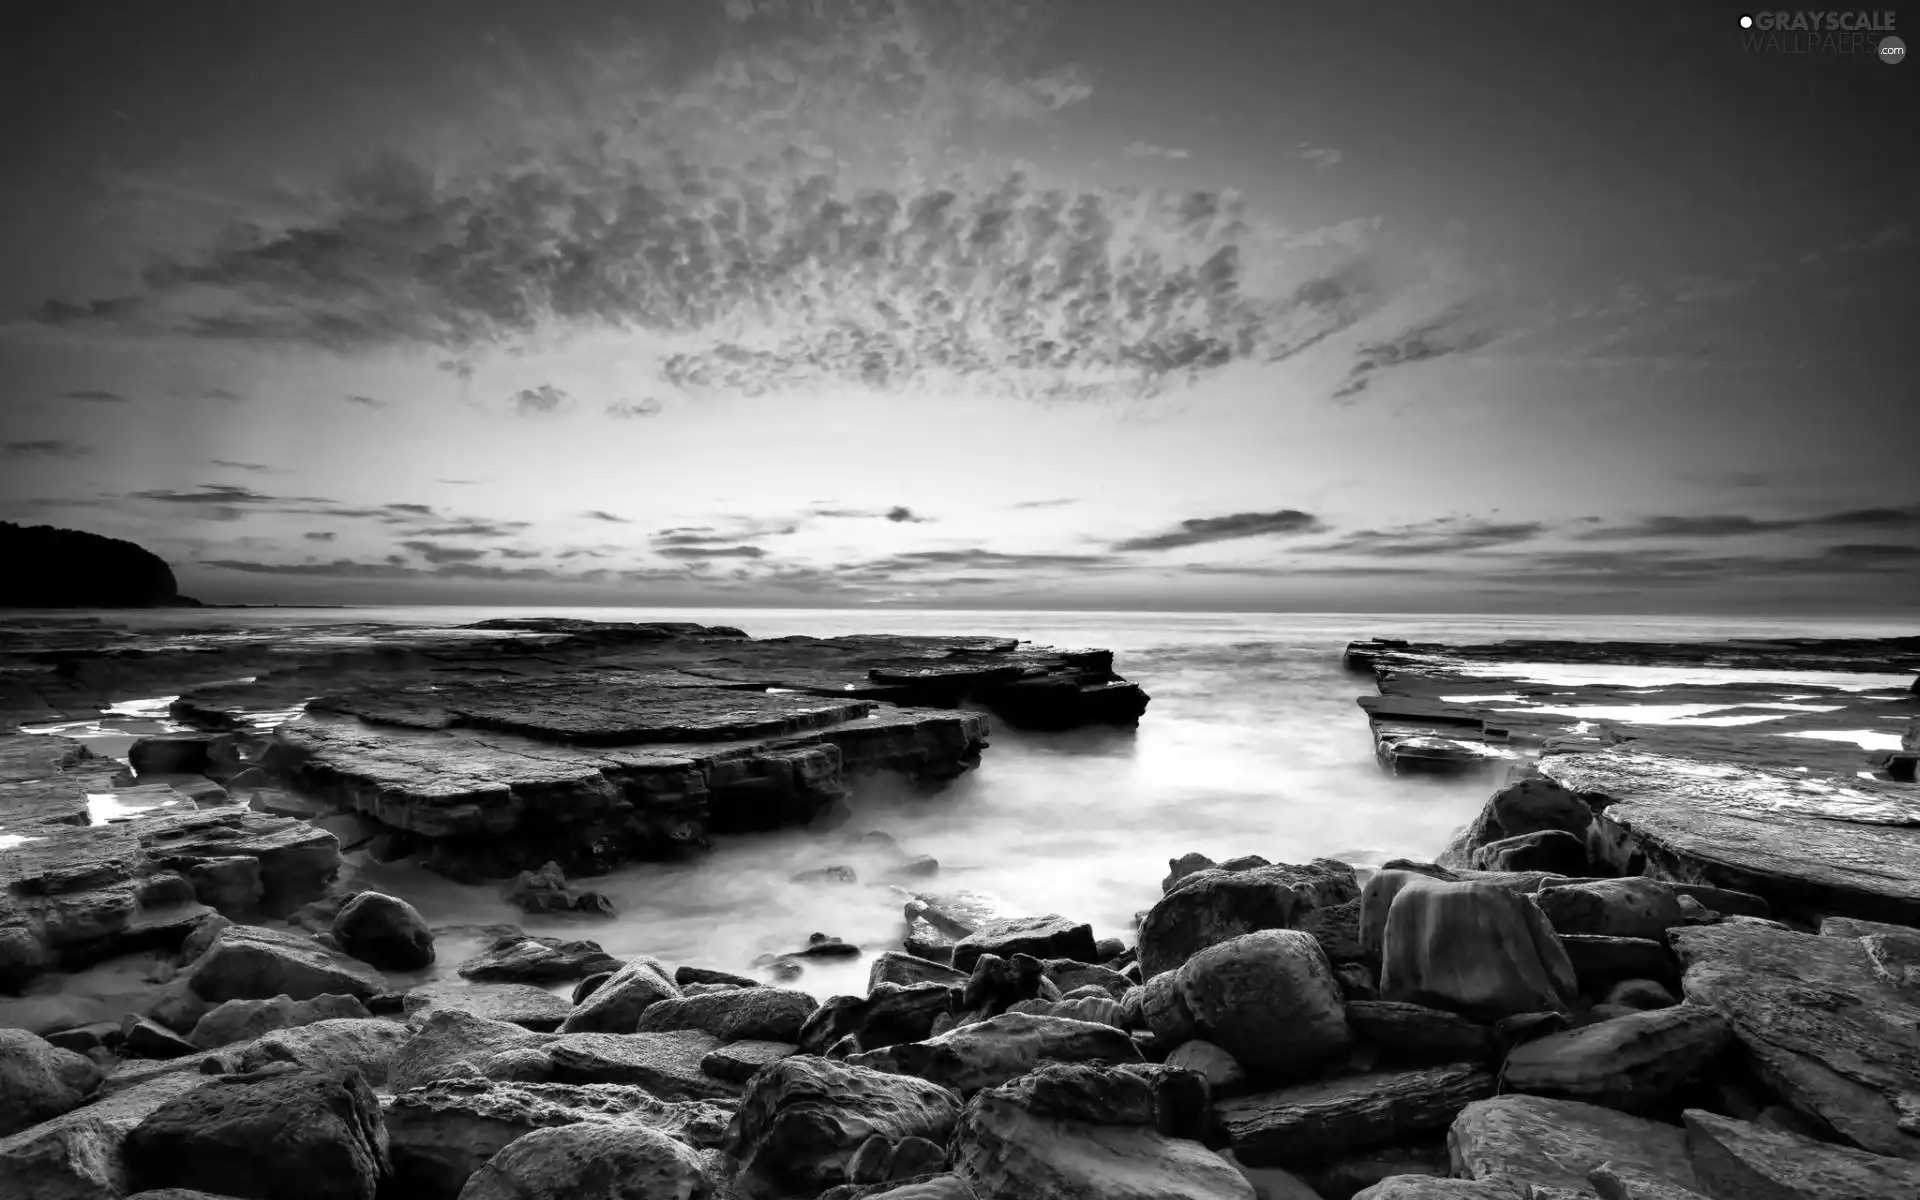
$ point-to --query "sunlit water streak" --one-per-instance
(1252, 745)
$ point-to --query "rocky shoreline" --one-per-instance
(1666, 961)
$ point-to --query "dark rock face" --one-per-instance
(991, 1052)
(886, 1015)
(39, 1081)
(1210, 906)
(1530, 1141)
(1050, 936)
(803, 1119)
(1345, 1114)
(615, 1006)
(303, 1135)
(758, 1014)
(246, 962)
(1634, 1063)
(65, 568)
(1737, 1158)
(385, 931)
(516, 957)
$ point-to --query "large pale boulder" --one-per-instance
(39, 1081)
(666, 1064)
(287, 1135)
(765, 1014)
(521, 1004)
(804, 1118)
(1634, 907)
(1050, 936)
(243, 1020)
(1001, 1048)
(1469, 947)
(366, 1044)
(1211, 906)
(1269, 999)
(592, 1162)
(246, 962)
(615, 1006)
(452, 1038)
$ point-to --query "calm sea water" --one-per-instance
(1252, 745)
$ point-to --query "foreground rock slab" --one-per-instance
(1001, 1048)
(1346, 1114)
(1532, 1141)
(1825, 1028)
(804, 1118)
(79, 1156)
(1737, 1158)
(616, 1162)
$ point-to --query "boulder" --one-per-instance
(1549, 850)
(685, 976)
(545, 891)
(1223, 1074)
(1431, 1187)
(204, 931)
(246, 962)
(366, 1044)
(1634, 1063)
(591, 1162)
(886, 1015)
(387, 932)
(1470, 947)
(1212, 906)
(1533, 1141)
(1635, 908)
(615, 1006)
(170, 754)
(1169, 1099)
(1004, 1146)
(452, 1039)
(666, 1064)
(521, 1004)
(993, 1051)
(243, 1020)
(297, 1135)
(443, 1132)
(40, 1081)
(1269, 999)
(1737, 1159)
(736, 1062)
(1825, 1029)
(803, 1118)
(1612, 1181)
(1050, 936)
(78, 1156)
(1069, 976)
(906, 970)
(141, 1038)
(1529, 805)
(1349, 1113)
(1640, 994)
(517, 957)
(764, 1014)
(1414, 1033)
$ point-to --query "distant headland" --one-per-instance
(67, 568)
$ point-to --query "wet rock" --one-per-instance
(666, 1064)
(1415, 1033)
(78, 1156)
(1600, 961)
(1172, 1100)
(368, 1045)
(1821, 1026)
(1050, 936)
(683, 976)
(1212, 906)
(204, 931)
(1267, 998)
(906, 970)
(615, 1006)
(1469, 947)
(246, 962)
(141, 1038)
(1429, 1187)
(803, 1119)
(516, 957)
(591, 1162)
(170, 754)
(518, 1003)
(1528, 805)
(1611, 1181)
(591, 984)
(759, 1014)
(1345, 1114)
(993, 1051)
(387, 932)
(39, 1081)
(232, 884)
(1634, 1063)
(450, 1039)
(1549, 850)
(1007, 1145)
(886, 1015)
(1223, 1073)
(1844, 847)
(1735, 1158)
(545, 891)
(302, 1135)
(1640, 994)
(443, 1132)
(1635, 908)
(244, 1020)
(1068, 976)
(736, 1062)
(1532, 1141)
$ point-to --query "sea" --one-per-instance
(1253, 744)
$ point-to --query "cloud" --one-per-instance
(47, 448)
(1455, 331)
(599, 515)
(707, 552)
(1045, 503)
(511, 552)
(1717, 525)
(976, 559)
(222, 494)
(221, 394)
(242, 466)
(396, 567)
(1448, 535)
(1199, 531)
(473, 528)
(319, 537)
(901, 513)
(543, 399)
(435, 553)
(1320, 156)
(1149, 150)
(97, 395)
(629, 409)
(366, 401)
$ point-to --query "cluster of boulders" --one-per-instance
(1480, 1029)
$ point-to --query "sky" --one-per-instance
(1218, 305)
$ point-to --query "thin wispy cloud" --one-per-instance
(1720, 525)
(1149, 150)
(631, 409)
(96, 395)
(596, 514)
(366, 401)
(1320, 156)
(538, 400)
(1199, 531)
(47, 448)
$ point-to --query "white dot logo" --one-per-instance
(1892, 50)
(1746, 22)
